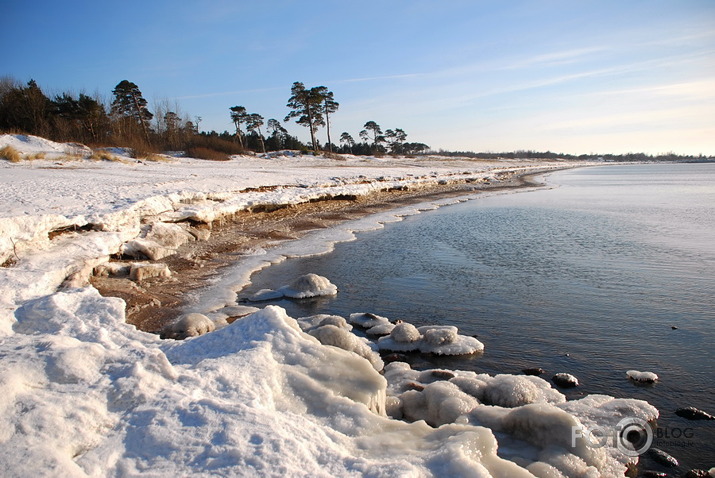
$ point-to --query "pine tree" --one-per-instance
(348, 140)
(239, 116)
(328, 107)
(130, 106)
(306, 105)
(377, 137)
(254, 121)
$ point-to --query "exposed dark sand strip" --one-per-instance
(154, 302)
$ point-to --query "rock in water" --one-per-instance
(565, 380)
(654, 474)
(662, 457)
(697, 474)
(534, 371)
(692, 413)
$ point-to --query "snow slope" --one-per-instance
(84, 394)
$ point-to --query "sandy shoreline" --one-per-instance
(155, 302)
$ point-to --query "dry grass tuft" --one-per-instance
(104, 156)
(201, 152)
(157, 158)
(11, 154)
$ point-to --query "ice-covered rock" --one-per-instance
(692, 413)
(303, 287)
(444, 340)
(565, 380)
(367, 320)
(437, 404)
(643, 377)
(188, 325)
(313, 321)
(309, 285)
(662, 457)
(517, 390)
(434, 339)
(404, 337)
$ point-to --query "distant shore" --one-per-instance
(154, 303)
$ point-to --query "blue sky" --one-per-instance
(608, 76)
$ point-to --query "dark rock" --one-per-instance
(692, 413)
(673, 327)
(534, 371)
(394, 357)
(442, 374)
(662, 457)
(697, 474)
(414, 386)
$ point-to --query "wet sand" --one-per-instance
(153, 303)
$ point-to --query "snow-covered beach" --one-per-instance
(86, 394)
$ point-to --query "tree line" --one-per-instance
(127, 120)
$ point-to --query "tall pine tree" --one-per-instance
(130, 107)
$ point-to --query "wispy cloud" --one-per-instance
(555, 58)
(378, 78)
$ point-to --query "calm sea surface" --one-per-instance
(587, 277)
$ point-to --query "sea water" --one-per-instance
(605, 270)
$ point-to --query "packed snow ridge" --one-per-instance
(86, 394)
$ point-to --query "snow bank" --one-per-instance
(85, 394)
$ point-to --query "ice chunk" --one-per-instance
(141, 272)
(145, 248)
(645, 377)
(169, 235)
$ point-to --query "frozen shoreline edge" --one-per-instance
(323, 241)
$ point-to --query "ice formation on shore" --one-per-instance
(85, 394)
